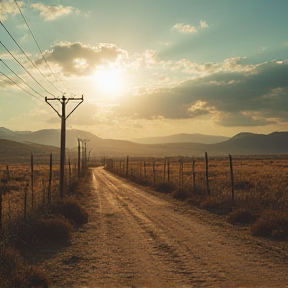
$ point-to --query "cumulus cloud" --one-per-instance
(53, 12)
(9, 7)
(251, 97)
(203, 24)
(79, 59)
(184, 28)
(188, 29)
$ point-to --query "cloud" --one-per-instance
(79, 59)
(53, 12)
(203, 24)
(9, 7)
(184, 28)
(189, 29)
(248, 97)
(241, 119)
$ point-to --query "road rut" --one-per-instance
(135, 238)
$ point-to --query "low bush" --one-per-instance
(241, 216)
(271, 224)
(10, 260)
(181, 194)
(216, 205)
(164, 187)
(15, 274)
(72, 210)
(57, 230)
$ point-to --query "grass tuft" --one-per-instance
(216, 205)
(241, 216)
(10, 260)
(272, 224)
(181, 194)
(164, 187)
(56, 230)
(72, 210)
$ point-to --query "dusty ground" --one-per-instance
(135, 238)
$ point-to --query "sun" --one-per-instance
(109, 80)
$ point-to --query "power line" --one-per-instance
(20, 78)
(19, 86)
(36, 42)
(26, 70)
(29, 58)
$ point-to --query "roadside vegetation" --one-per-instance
(30, 220)
(256, 195)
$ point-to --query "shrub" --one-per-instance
(10, 260)
(181, 194)
(271, 224)
(216, 205)
(243, 185)
(35, 278)
(164, 187)
(54, 230)
(241, 216)
(72, 210)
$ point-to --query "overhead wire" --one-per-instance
(15, 83)
(20, 78)
(29, 59)
(35, 40)
(26, 70)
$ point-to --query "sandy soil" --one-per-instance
(137, 238)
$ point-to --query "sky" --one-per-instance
(145, 68)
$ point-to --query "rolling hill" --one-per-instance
(181, 138)
(240, 144)
(16, 152)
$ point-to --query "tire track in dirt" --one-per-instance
(137, 239)
(195, 248)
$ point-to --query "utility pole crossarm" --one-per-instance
(77, 99)
(50, 99)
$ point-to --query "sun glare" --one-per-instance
(109, 81)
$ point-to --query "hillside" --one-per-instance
(240, 144)
(15, 152)
(49, 137)
(181, 138)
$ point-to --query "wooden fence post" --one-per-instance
(232, 179)
(1, 208)
(50, 180)
(168, 169)
(25, 199)
(32, 181)
(181, 172)
(7, 172)
(70, 172)
(43, 187)
(154, 172)
(127, 165)
(207, 174)
(193, 175)
(164, 175)
(145, 175)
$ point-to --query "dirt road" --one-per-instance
(136, 239)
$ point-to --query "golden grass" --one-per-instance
(260, 182)
(13, 189)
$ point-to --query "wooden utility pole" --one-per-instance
(79, 157)
(85, 141)
(64, 101)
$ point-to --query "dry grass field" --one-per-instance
(16, 181)
(259, 185)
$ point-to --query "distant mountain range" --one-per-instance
(240, 144)
(182, 138)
